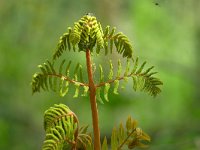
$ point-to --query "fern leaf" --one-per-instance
(51, 79)
(130, 136)
(60, 125)
(119, 70)
(62, 45)
(141, 68)
(114, 141)
(77, 85)
(86, 88)
(123, 45)
(116, 86)
(101, 73)
(67, 68)
(110, 75)
(127, 67)
(106, 89)
(64, 87)
(98, 95)
(135, 65)
(121, 134)
(105, 145)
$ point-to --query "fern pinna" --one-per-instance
(87, 36)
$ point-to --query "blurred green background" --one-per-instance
(166, 35)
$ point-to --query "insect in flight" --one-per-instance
(156, 3)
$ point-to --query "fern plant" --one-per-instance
(60, 123)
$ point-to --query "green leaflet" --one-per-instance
(64, 87)
(101, 73)
(127, 67)
(116, 86)
(141, 68)
(106, 90)
(119, 69)
(77, 85)
(67, 68)
(105, 145)
(98, 95)
(61, 66)
(134, 83)
(86, 88)
(135, 65)
(124, 82)
(110, 75)
(114, 140)
(80, 73)
(121, 134)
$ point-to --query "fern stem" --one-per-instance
(117, 78)
(92, 90)
(67, 79)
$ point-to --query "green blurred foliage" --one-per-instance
(166, 35)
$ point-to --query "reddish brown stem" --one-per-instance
(92, 90)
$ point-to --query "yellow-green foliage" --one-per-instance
(129, 137)
(87, 33)
(61, 124)
(62, 130)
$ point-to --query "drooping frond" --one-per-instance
(63, 44)
(62, 130)
(84, 140)
(121, 42)
(58, 80)
(142, 79)
(129, 136)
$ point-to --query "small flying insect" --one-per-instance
(156, 3)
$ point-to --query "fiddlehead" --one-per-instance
(62, 130)
(129, 136)
(87, 33)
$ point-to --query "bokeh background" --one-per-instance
(166, 34)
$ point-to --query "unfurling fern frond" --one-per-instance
(61, 127)
(87, 33)
(143, 79)
(58, 81)
(62, 130)
(84, 140)
(129, 136)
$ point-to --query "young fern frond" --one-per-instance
(61, 127)
(63, 44)
(62, 130)
(87, 33)
(61, 124)
(121, 42)
(129, 136)
(143, 79)
(57, 81)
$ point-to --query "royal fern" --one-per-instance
(88, 36)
